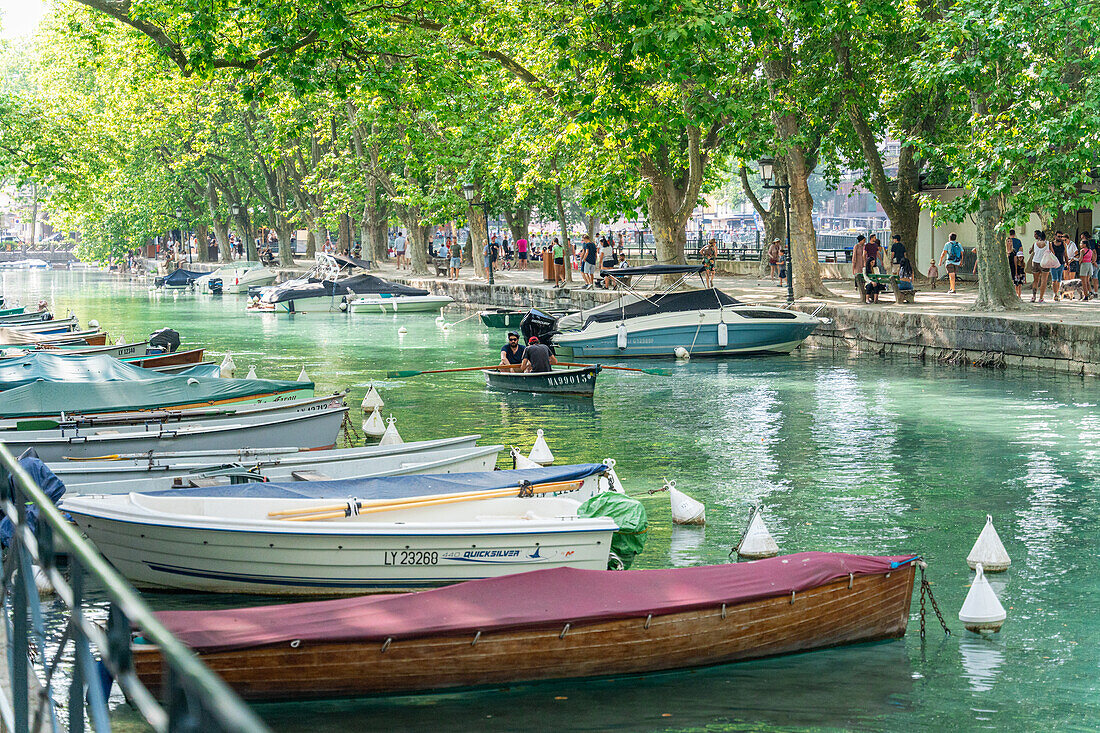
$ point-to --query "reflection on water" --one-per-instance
(853, 455)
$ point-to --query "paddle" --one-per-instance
(402, 375)
(658, 372)
(339, 511)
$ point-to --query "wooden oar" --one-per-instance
(339, 511)
(658, 372)
(402, 375)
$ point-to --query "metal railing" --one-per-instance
(195, 698)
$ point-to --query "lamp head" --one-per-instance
(179, 213)
(767, 170)
(469, 190)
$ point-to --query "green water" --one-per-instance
(858, 455)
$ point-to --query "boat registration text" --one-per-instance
(410, 557)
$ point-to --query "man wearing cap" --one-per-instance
(537, 357)
(511, 356)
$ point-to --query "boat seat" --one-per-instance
(310, 476)
(196, 483)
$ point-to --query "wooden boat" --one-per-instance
(556, 624)
(225, 540)
(15, 337)
(568, 381)
(45, 326)
(193, 356)
(118, 351)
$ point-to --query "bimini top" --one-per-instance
(390, 487)
(52, 398)
(687, 300)
(354, 285)
(40, 365)
(644, 270)
(537, 599)
(348, 263)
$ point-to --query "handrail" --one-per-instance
(196, 698)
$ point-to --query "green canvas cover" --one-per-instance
(631, 517)
(50, 399)
(49, 367)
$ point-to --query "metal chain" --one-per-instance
(351, 435)
(926, 588)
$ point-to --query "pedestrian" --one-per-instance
(905, 274)
(1057, 272)
(1040, 251)
(588, 261)
(773, 258)
(859, 255)
(521, 253)
(953, 253)
(454, 252)
(1017, 266)
(871, 288)
(872, 253)
(1014, 242)
(558, 253)
(897, 254)
(607, 261)
(1087, 267)
(400, 244)
(709, 255)
(933, 275)
(487, 258)
(782, 263)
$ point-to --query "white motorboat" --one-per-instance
(305, 466)
(238, 277)
(387, 303)
(233, 544)
(329, 285)
(701, 322)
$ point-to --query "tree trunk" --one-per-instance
(592, 223)
(247, 234)
(344, 241)
(317, 241)
(417, 247)
(479, 233)
(221, 228)
(202, 237)
(519, 222)
(311, 244)
(284, 230)
(669, 229)
(802, 260)
(995, 289)
(34, 212)
(567, 247)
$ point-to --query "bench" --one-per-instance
(890, 281)
(442, 266)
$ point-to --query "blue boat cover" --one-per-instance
(42, 475)
(52, 367)
(182, 277)
(43, 398)
(392, 487)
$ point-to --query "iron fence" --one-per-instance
(195, 699)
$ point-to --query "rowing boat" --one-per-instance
(307, 430)
(547, 624)
(502, 317)
(571, 381)
(224, 539)
(192, 356)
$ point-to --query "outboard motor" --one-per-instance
(215, 285)
(537, 323)
(166, 339)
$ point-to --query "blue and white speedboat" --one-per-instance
(703, 322)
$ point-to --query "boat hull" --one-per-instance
(502, 319)
(201, 553)
(260, 279)
(661, 335)
(580, 382)
(400, 304)
(867, 608)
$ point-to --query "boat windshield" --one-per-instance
(689, 300)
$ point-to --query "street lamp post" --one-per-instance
(469, 190)
(236, 211)
(767, 172)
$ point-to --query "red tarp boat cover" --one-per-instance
(539, 598)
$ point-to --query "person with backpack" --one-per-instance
(953, 253)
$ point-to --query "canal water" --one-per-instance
(854, 455)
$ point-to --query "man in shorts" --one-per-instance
(399, 246)
(953, 253)
(588, 261)
(454, 253)
(897, 254)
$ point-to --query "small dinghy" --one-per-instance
(560, 623)
(579, 381)
(398, 303)
(501, 317)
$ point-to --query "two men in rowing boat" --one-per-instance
(535, 357)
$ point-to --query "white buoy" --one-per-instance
(540, 452)
(988, 551)
(121, 340)
(611, 482)
(391, 436)
(372, 400)
(228, 367)
(251, 372)
(402, 331)
(620, 336)
(373, 424)
(93, 323)
(723, 334)
(685, 510)
(682, 353)
(758, 542)
(521, 461)
(981, 612)
(302, 376)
